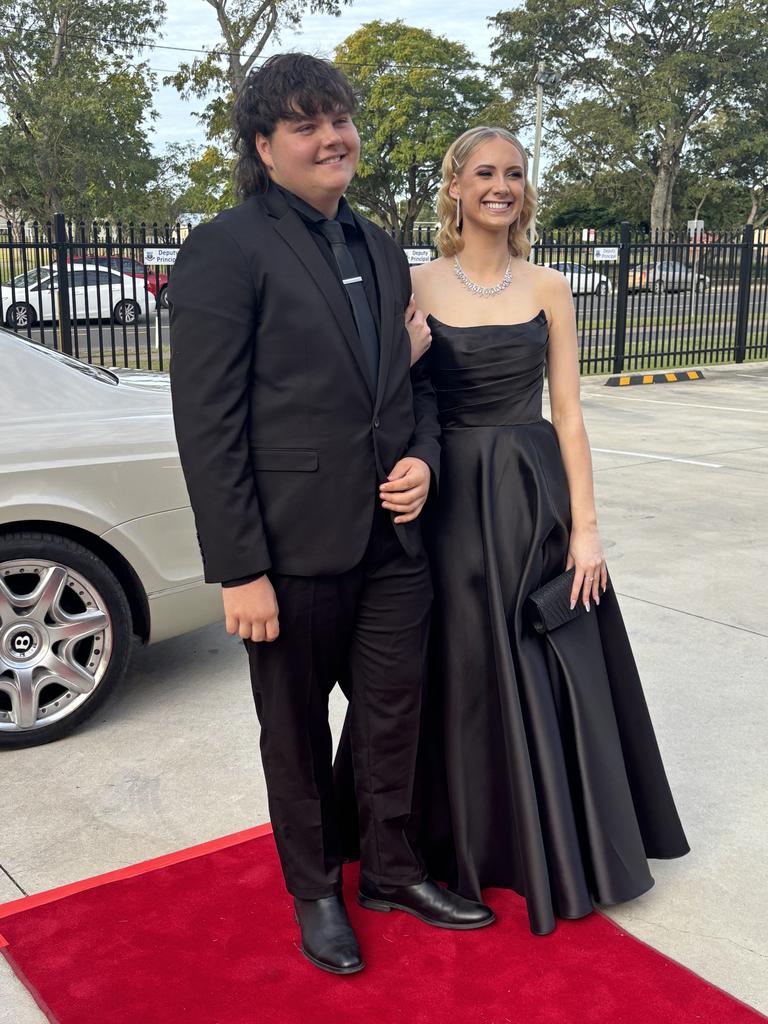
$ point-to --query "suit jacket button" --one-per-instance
(377, 423)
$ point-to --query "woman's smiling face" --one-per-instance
(491, 185)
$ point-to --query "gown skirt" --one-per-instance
(541, 770)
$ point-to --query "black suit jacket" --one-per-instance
(282, 441)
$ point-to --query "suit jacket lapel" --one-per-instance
(288, 224)
(387, 295)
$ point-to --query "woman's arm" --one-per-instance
(586, 549)
(415, 321)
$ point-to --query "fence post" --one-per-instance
(65, 319)
(745, 281)
(620, 326)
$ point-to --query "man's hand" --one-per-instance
(251, 610)
(406, 489)
(418, 331)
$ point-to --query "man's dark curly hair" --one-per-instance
(286, 87)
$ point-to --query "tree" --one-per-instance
(246, 28)
(75, 106)
(731, 150)
(637, 76)
(418, 92)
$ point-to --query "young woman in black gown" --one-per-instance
(542, 770)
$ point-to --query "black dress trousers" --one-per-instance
(366, 629)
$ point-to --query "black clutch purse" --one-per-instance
(550, 605)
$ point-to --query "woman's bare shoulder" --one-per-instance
(426, 272)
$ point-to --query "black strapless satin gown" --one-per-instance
(542, 771)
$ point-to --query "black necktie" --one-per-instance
(353, 282)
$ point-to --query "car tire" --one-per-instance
(21, 315)
(603, 288)
(659, 288)
(164, 297)
(701, 286)
(127, 312)
(50, 583)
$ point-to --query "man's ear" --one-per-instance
(264, 149)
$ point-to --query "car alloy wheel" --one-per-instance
(21, 315)
(126, 312)
(603, 288)
(65, 629)
(164, 296)
(659, 287)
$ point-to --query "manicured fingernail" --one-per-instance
(573, 605)
(597, 600)
(587, 605)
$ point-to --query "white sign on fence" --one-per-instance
(417, 256)
(605, 254)
(159, 257)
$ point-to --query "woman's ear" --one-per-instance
(453, 188)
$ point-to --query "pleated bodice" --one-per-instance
(491, 375)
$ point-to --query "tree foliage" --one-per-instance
(75, 106)
(246, 27)
(638, 76)
(418, 91)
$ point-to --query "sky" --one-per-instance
(192, 23)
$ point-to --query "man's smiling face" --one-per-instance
(313, 157)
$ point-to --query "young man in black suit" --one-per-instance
(308, 454)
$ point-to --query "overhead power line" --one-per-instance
(146, 45)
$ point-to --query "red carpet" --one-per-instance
(207, 936)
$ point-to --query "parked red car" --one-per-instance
(157, 282)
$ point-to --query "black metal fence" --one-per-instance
(94, 291)
(641, 303)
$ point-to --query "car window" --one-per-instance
(76, 279)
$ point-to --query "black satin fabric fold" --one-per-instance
(541, 767)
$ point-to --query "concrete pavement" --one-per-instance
(682, 484)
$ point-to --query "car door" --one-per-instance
(580, 280)
(109, 290)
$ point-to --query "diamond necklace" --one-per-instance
(478, 289)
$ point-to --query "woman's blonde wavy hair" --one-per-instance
(448, 238)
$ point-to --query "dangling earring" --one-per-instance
(458, 212)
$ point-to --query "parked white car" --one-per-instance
(583, 281)
(97, 538)
(95, 293)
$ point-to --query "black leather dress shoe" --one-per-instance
(327, 938)
(429, 902)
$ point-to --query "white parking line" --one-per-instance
(660, 458)
(687, 405)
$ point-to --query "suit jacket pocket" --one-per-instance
(293, 460)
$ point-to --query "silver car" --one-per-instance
(666, 276)
(97, 538)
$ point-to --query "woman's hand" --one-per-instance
(418, 331)
(586, 553)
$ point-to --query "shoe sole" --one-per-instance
(385, 906)
(328, 968)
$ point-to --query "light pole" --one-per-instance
(544, 77)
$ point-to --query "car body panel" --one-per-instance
(83, 448)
